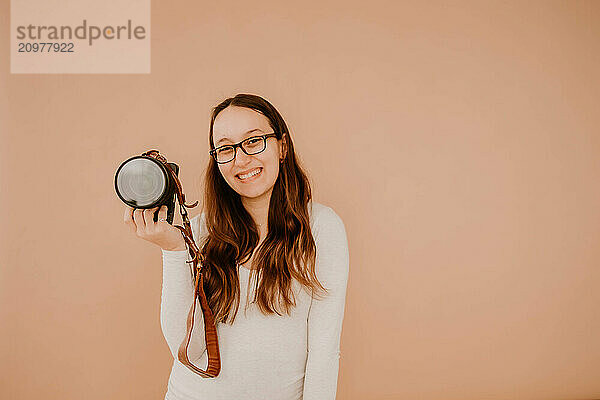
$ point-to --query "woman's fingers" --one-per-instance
(138, 218)
(128, 218)
(149, 217)
(162, 214)
(141, 222)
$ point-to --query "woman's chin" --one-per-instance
(252, 192)
(249, 191)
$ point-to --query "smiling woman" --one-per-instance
(261, 235)
(262, 150)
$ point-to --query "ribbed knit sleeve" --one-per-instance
(176, 301)
(325, 316)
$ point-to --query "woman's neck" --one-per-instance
(258, 208)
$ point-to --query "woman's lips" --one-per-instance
(252, 178)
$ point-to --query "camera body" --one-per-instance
(144, 182)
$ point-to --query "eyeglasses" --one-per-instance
(252, 145)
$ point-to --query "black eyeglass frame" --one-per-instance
(264, 137)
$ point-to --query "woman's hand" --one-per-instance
(161, 233)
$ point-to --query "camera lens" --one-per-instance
(141, 182)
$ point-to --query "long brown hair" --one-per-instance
(288, 251)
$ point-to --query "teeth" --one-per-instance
(255, 172)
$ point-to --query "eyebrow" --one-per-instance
(250, 131)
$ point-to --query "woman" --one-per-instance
(260, 233)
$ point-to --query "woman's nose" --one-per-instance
(241, 158)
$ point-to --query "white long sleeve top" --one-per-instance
(288, 357)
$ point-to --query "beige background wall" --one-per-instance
(458, 141)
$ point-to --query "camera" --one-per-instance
(144, 182)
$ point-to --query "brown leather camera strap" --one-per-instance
(210, 330)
